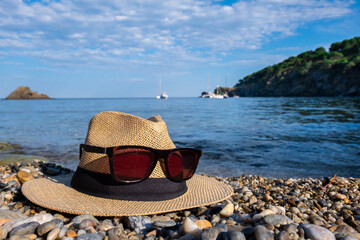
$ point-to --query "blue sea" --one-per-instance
(271, 137)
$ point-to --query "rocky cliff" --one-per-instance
(313, 73)
(26, 93)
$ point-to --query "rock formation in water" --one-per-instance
(26, 93)
(313, 73)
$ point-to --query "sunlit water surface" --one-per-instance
(276, 137)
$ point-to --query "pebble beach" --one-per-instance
(261, 208)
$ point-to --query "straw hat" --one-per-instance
(87, 191)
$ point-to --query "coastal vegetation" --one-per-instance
(335, 72)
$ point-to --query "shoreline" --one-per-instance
(261, 208)
(14, 153)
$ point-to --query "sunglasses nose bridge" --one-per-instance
(161, 160)
(161, 155)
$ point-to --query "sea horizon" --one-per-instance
(85, 98)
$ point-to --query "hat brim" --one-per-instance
(57, 194)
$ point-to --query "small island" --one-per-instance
(26, 93)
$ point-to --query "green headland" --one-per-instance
(335, 72)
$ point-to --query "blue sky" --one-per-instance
(111, 48)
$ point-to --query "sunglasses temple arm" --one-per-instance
(94, 149)
(80, 151)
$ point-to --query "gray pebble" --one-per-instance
(116, 231)
(46, 227)
(24, 229)
(231, 235)
(139, 223)
(215, 219)
(5, 213)
(236, 235)
(173, 234)
(113, 235)
(317, 232)
(106, 225)
(275, 219)
(40, 218)
(347, 238)
(290, 228)
(316, 220)
(187, 236)
(52, 171)
(79, 218)
(90, 230)
(102, 234)
(89, 236)
(59, 223)
(301, 233)
(222, 227)
(164, 224)
(53, 234)
(63, 232)
(238, 228)
(18, 237)
(212, 233)
(86, 223)
(81, 232)
(345, 229)
(193, 218)
(261, 233)
(283, 235)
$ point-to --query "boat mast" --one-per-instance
(208, 86)
(160, 85)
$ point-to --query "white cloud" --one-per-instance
(121, 18)
(257, 60)
(77, 35)
(152, 31)
(12, 43)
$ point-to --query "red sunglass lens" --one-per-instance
(182, 164)
(132, 164)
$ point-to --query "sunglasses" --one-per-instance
(132, 164)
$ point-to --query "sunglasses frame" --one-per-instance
(160, 155)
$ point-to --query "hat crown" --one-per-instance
(110, 129)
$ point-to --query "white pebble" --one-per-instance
(227, 211)
(189, 226)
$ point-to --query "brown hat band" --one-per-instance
(102, 185)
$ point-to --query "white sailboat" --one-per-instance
(163, 95)
(209, 94)
(216, 95)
